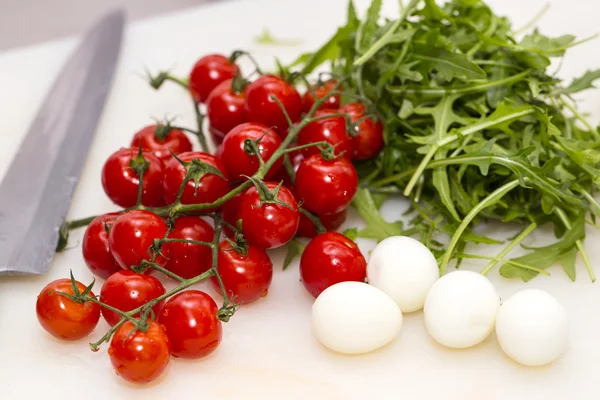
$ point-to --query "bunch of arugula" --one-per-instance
(476, 129)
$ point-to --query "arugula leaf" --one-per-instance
(584, 82)
(544, 257)
(294, 248)
(377, 227)
(449, 65)
(267, 38)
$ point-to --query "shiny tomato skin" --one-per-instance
(269, 225)
(207, 73)
(210, 187)
(369, 140)
(331, 130)
(62, 317)
(229, 213)
(131, 236)
(176, 141)
(190, 320)
(239, 163)
(331, 222)
(126, 290)
(120, 182)
(326, 187)
(138, 356)
(332, 102)
(328, 259)
(225, 110)
(186, 259)
(95, 249)
(246, 277)
(260, 107)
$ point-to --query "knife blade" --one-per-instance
(36, 191)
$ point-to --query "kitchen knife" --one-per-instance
(36, 191)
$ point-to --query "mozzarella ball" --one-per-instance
(404, 269)
(354, 318)
(532, 327)
(460, 309)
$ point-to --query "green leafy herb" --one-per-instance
(477, 129)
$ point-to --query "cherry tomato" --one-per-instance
(225, 110)
(96, 253)
(131, 236)
(121, 182)
(161, 141)
(369, 140)
(331, 130)
(210, 187)
(138, 356)
(331, 222)
(230, 211)
(125, 290)
(246, 277)
(62, 317)
(207, 73)
(332, 102)
(326, 187)
(260, 107)
(186, 259)
(269, 225)
(328, 259)
(239, 163)
(190, 319)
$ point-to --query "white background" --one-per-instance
(268, 351)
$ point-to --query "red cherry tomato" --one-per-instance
(268, 225)
(138, 356)
(326, 187)
(331, 130)
(160, 143)
(207, 73)
(62, 317)
(210, 187)
(225, 110)
(331, 222)
(230, 211)
(260, 106)
(120, 182)
(186, 259)
(237, 161)
(131, 236)
(96, 253)
(246, 277)
(190, 319)
(125, 290)
(332, 102)
(328, 259)
(369, 140)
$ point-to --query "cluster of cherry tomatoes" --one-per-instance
(250, 127)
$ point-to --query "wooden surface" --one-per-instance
(26, 22)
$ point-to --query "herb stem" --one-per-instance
(491, 199)
(524, 233)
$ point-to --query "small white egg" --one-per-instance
(404, 269)
(355, 318)
(460, 309)
(532, 327)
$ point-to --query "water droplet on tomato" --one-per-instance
(264, 293)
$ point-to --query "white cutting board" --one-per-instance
(268, 351)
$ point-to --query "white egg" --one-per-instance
(355, 318)
(460, 309)
(532, 327)
(404, 269)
